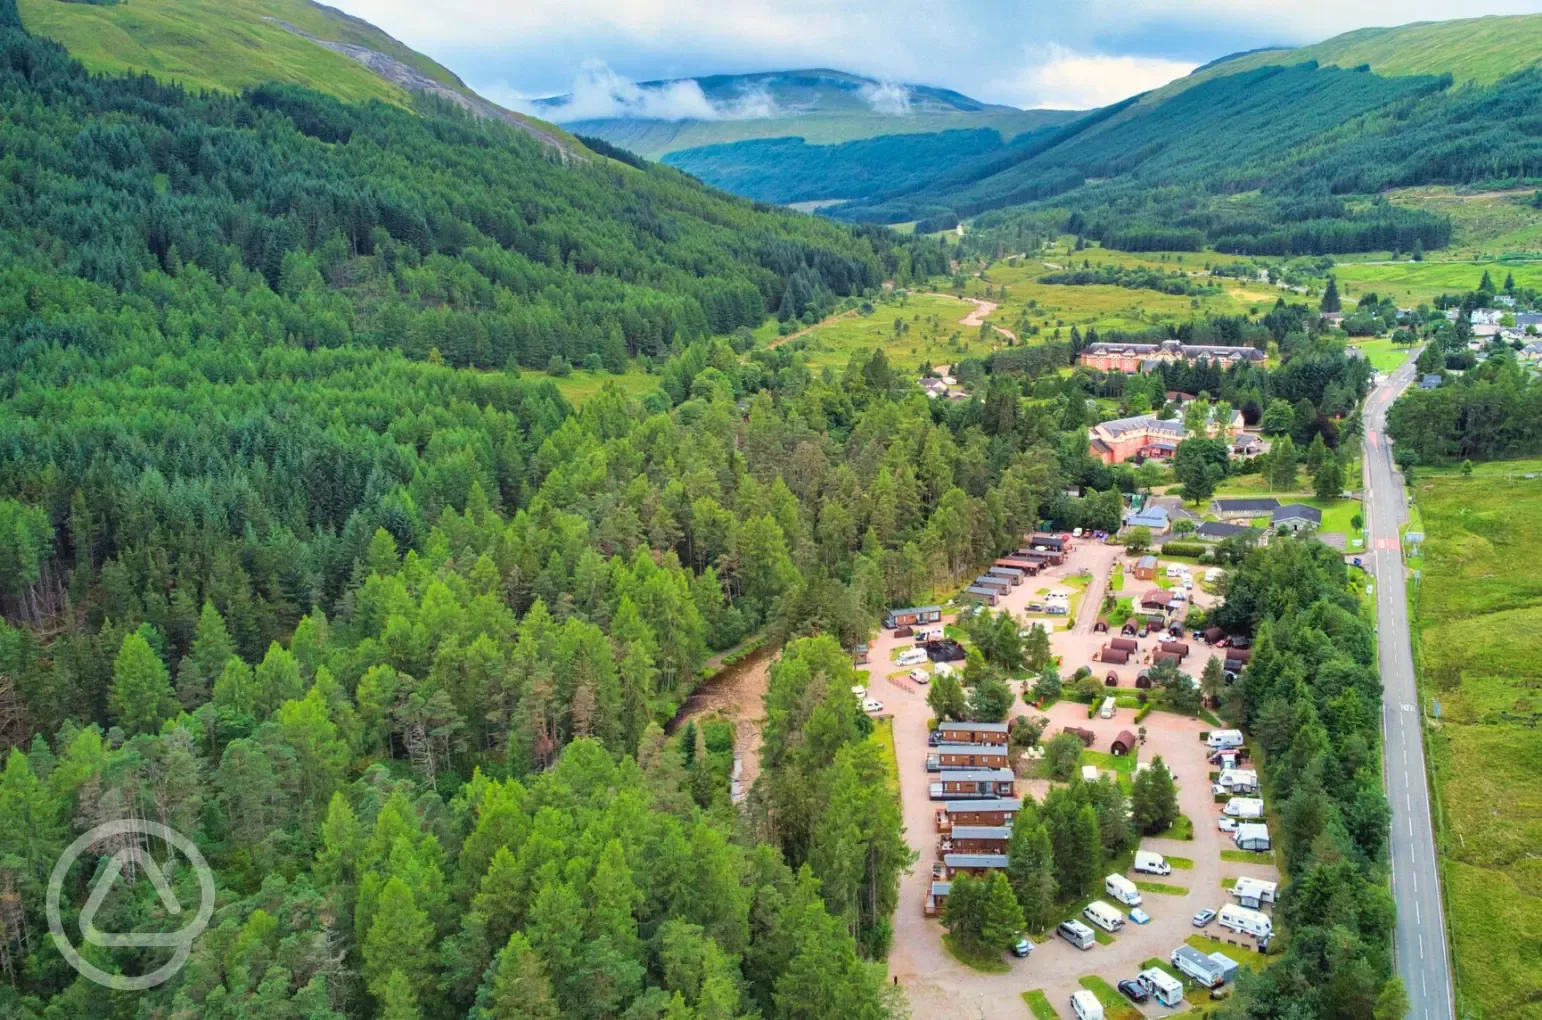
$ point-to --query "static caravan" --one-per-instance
(925, 635)
(1103, 915)
(1122, 889)
(1197, 965)
(911, 657)
(1254, 892)
(1163, 987)
(989, 596)
(973, 864)
(978, 839)
(1106, 711)
(1244, 807)
(1001, 584)
(910, 617)
(1086, 1005)
(972, 732)
(1245, 921)
(1012, 574)
(962, 784)
(942, 669)
(1000, 811)
(1090, 773)
(970, 756)
(1216, 739)
(1152, 863)
(1252, 836)
(937, 897)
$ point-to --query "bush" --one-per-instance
(1196, 549)
(1145, 709)
(558, 367)
(593, 363)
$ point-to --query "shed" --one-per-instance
(1177, 648)
(1143, 682)
(1128, 628)
(1124, 644)
(1111, 680)
(1146, 568)
(1101, 627)
(1117, 656)
(1161, 657)
(1240, 654)
(1124, 743)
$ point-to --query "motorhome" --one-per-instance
(1086, 1005)
(1254, 892)
(911, 657)
(1152, 863)
(1103, 915)
(1244, 807)
(1122, 889)
(1076, 933)
(1107, 710)
(1163, 987)
(942, 669)
(929, 633)
(1223, 738)
(1245, 921)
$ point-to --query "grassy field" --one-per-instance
(1115, 1006)
(1478, 613)
(1410, 283)
(1180, 863)
(930, 334)
(1383, 354)
(1038, 1005)
(883, 734)
(579, 385)
(1485, 223)
(1162, 888)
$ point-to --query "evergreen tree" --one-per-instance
(141, 697)
(212, 647)
(1329, 479)
(1154, 799)
(1001, 917)
(1031, 869)
(1283, 468)
(1330, 296)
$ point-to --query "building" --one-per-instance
(936, 897)
(1296, 517)
(989, 596)
(963, 784)
(911, 617)
(978, 839)
(1236, 509)
(1429, 382)
(1220, 531)
(934, 388)
(1246, 445)
(1000, 811)
(973, 864)
(1153, 518)
(1144, 437)
(1129, 358)
(1146, 568)
(969, 756)
(956, 732)
(1124, 743)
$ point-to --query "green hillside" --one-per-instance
(822, 107)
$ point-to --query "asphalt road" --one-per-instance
(1422, 958)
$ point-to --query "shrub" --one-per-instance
(1184, 549)
(558, 367)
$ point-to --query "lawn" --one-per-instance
(1162, 888)
(1478, 614)
(1180, 863)
(1183, 828)
(1246, 857)
(1383, 354)
(1115, 1006)
(883, 735)
(975, 957)
(1038, 1005)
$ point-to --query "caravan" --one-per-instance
(911, 657)
(1104, 916)
(1245, 921)
(1246, 808)
(1163, 987)
(1122, 889)
(1076, 933)
(1218, 739)
(1254, 892)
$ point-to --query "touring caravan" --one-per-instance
(1104, 916)
(1245, 921)
(1086, 1005)
(1254, 892)
(1163, 987)
(1152, 863)
(1122, 889)
(1250, 836)
(1247, 808)
(1217, 739)
(911, 657)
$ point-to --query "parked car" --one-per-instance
(872, 705)
(1139, 916)
(1022, 947)
(933, 738)
(1227, 825)
(1217, 790)
(1133, 991)
(1203, 918)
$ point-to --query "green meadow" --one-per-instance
(1478, 612)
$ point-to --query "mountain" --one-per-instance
(1273, 151)
(819, 105)
(234, 44)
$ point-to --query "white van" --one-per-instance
(859, 692)
(1107, 711)
(1076, 933)
(1223, 738)
(914, 657)
(1245, 921)
(1152, 863)
(1122, 889)
(1163, 987)
(943, 669)
(1104, 916)
(920, 675)
(1086, 1005)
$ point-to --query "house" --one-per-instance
(1252, 836)
(1157, 600)
(1153, 518)
(911, 617)
(1220, 531)
(1246, 445)
(1146, 568)
(1124, 743)
(978, 839)
(1232, 509)
(1296, 517)
(1429, 382)
(973, 864)
(1532, 351)
(1130, 358)
(934, 388)
(1333, 318)
(955, 732)
(1142, 437)
(936, 897)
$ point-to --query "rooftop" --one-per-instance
(1220, 529)
(970, 749)
(1142, 423)
(982, 832)
(1247, 505)
(975, 860)
(1297, 512)
(977, 776)
(999, 804)
(977, 727)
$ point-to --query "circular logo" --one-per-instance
(130, 832)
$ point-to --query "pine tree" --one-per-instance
(1329, 479)
(141, 697)
(1031, 869)
(1154, 799)
(1036, 652)
(399, 940)
(1282, 465)
(211, 647)
(518, 985)
(1002, 918)
(1330, 297)
(1212, 680)
(397, 999)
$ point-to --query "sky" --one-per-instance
(1065, 54)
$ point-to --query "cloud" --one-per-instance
(1056, 78)
(887, 98)
(600, 93)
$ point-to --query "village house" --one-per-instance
(1220, 531)
(977, 839)
(1146, 568)
(958, 732)
(1232, 509)
(1131, 358)
(1296, 517)
(934, 387)
(1001, 811)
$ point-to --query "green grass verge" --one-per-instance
(1183, 828)
(1038, 1005)
(1180, 863)
(883, 735)
(1103, 938)
(1228, 883)
(1115, 1006)
(1245, 857)
(975, 957)
(1162, 888)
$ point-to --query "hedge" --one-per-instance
(1196, 549)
